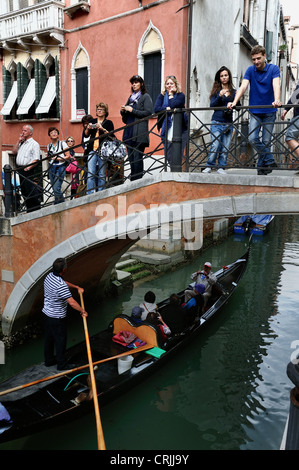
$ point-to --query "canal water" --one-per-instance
(227, 389)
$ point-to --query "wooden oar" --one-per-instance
(70, 371)
(100, 434)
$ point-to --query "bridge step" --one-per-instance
(126, 263)
(148, 257)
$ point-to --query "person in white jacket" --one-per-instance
(205, 277)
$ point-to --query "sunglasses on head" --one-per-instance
(171, 76)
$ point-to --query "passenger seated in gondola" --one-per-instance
(148, 305)
(156, 319)
(175, 316)
(136, 314)
(205, 277)
(195, 304)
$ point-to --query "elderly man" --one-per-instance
(203, 277)
(27, 152)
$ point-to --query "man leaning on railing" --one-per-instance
(27, 152)
(264, 80)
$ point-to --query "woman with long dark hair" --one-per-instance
(222, 93)
(139, 105)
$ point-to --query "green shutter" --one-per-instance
(7, 85)
(23, 80)
(57, 75)
(40, 75)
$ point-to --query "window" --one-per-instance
(47, 88)
(80, 83)
(151, 55)
(152, 74)
(10, 91)
(31, 91)
(82, 89)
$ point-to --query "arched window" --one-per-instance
(151, 59)
(80, 83)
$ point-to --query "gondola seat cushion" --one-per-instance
(145, 332)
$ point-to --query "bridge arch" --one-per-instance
(92, 254)
(76, 230)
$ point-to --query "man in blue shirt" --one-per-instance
(264, 80)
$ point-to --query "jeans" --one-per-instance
(56, 176)
(222, 135)
(96, 173)
(292, 132)
(263, 145)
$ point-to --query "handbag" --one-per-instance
(113, 148)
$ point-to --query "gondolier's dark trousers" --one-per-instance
(55, 337)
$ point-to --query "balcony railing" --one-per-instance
(32, 20)
(116, 170)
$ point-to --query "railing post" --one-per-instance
(176, 164)
(8, 191)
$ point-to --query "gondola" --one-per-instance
(255, 225)
(46, 403)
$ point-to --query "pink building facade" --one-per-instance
(60, 58)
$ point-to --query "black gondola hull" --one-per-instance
(52, 403)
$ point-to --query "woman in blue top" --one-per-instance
(170, 98)
(221, 129)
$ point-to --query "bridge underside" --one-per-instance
(88, 269)
(94, 231)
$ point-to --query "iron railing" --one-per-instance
(240, 154)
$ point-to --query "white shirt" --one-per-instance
(58, 147)
(147, 308)
(28, 151)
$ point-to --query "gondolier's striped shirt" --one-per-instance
(56, 293)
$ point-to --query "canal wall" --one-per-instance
(151, 257)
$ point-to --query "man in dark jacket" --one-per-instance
(174, 315)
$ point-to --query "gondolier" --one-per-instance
(57, 296)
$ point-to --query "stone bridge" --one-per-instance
(93, 231)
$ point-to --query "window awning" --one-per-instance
(11, 99)
(48, 96)
(28, 98)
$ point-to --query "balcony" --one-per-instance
(33, 25)
(246, 37)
